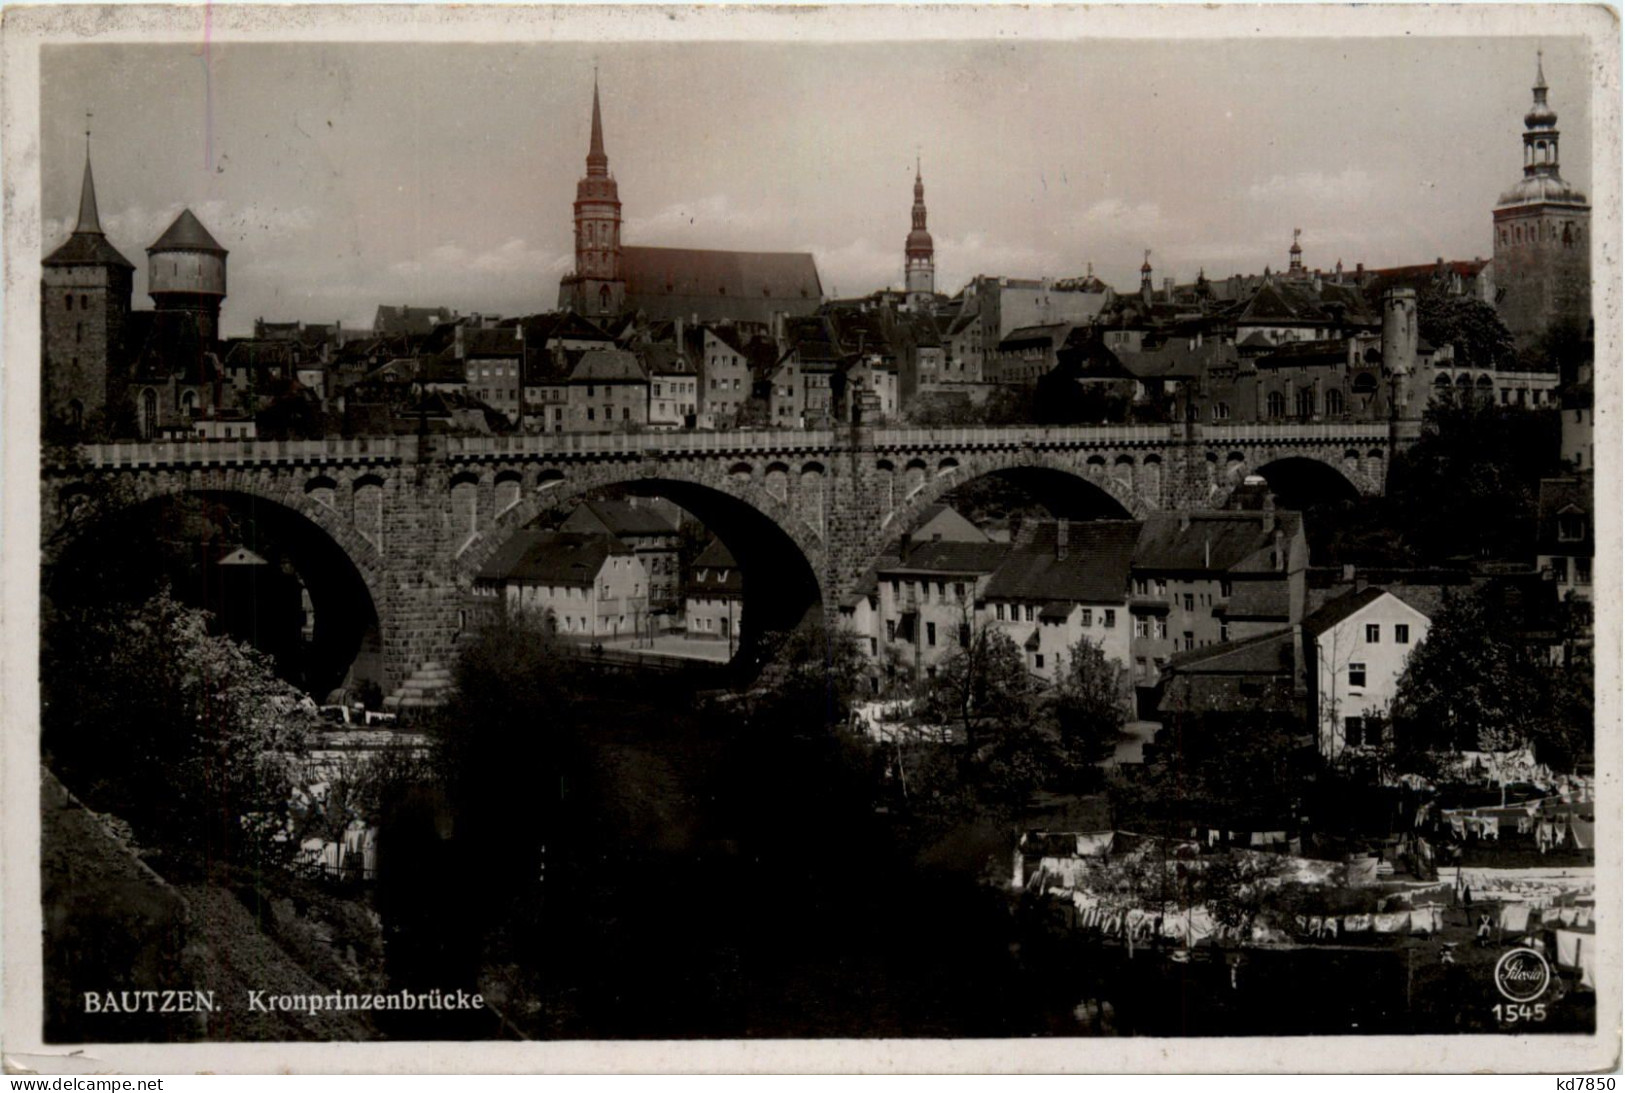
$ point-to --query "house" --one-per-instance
(1565, 535)
(608, 392)
(1248, 685)
(1028, 352)
(1062, 582)
(1191, 569)
(409, 321)
(1359, 642)
(674, 395)
(714, 597)
(492, 359)
(941, 521)
(592, 585)
(725, 356)
(927, 600)
(650, 527)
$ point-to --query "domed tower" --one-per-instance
(919, 253)
(1542, 235)
(85, 287)
(596, 288)
(1294, 264)
(186, 271)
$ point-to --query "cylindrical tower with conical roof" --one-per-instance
(186, 271)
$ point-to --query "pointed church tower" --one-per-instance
(85, 289)
(919, 264)
(1542, 235)
(596, 288)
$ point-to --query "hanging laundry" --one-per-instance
(1356, 924)
(1515, 917)
(1582, 917)
(1491, 827)
(1583, 832)
(1458, 826)
(1391, 924)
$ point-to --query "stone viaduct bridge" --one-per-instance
(387, 533)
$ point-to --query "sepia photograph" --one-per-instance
(744, 525)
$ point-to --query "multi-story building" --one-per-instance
(674, 387)
(1359, 644)
(492, 359)
(724, 374)
(608, 392)
(928, 600)
(714, 597)
(592, 585)
(1061, 582)
(649, 526)
(1205, 578)
(1566, 535)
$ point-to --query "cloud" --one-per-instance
(688, 221)
(1116, 217)
(1314, 186)
(511, 260)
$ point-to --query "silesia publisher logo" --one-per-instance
(1522, 975)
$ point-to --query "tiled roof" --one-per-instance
(187, 233)
(87, 249)
(1262, 654)
(1050, 332)
(1211, 541)
(409, 320)
(1095, 569)
(618, 518)
(491, 342)
(552, 558)
(1259, 600)
(716, 555)
(608, 366)
(723, 573)
(666, 282)
(664, 359)
(947, 556)
(1335, 611)
(1178, 358)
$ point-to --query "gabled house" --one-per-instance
(928, 600)
(608, 392)
(592, 585)
(1359, 644)
(714, 596)
(650, 529)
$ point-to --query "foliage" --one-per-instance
(1088, 710)
(186, 735)
(1476, 683)
(1473, 327)
(810, 677)
(984, 688)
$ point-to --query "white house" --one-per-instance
(1360, 643)
(593, 586)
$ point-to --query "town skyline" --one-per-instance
(282, 179)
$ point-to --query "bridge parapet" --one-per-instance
(231, 453)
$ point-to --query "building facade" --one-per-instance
(1360, 643)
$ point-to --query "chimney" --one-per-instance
(1280, 546)
(1207, 552)
(1348, 572)
(1061, 536)
(1359, 584)
(904, 547)
(677, 332)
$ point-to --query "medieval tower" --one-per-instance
(597, 287)
(919, 268)
(1542, 236)
(85, 288)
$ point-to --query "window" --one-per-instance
(891, 629)
(590, 391)
(1224, 630)
(1190, 640)
(1306, 401)
(998, 609)
(1161, 628)
(69, 301)
(1142, 626)
(1560, 570)
(1221, 411)
(959, 591)
(1190, 602)
(78, 332)
(1353, 731)
(964, 635)
(1334, 403)
(1571, 527)
(1373, 633)
(1088, 617)
(626, 413)
(896, 590)
(591, 414)
(930, 633)
(1109, 618)
(1356, 675)
(1582, 571)
(1139, 586)
(1402, 634)
(1029, 613)
(1276, 404)
(1038, 660)
(942, 592)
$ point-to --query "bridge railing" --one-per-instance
(160, 453)
(157, 453)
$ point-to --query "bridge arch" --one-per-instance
(1302, 481)
(1055, 483)
(780, 554)
(339, 570)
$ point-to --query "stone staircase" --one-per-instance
(427, 687)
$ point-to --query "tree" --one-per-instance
(1469, 684)
(1088, 711)
(984, 688)
(188, 736)
(1471, 326)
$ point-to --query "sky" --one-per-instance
(344, 176)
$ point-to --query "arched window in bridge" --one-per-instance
(1334, 403)
(1277, 404)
